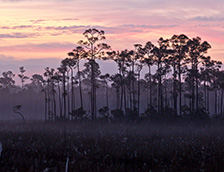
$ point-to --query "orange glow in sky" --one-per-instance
(50, 29)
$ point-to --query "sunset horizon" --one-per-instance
(36, 31)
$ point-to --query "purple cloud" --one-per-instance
(209, 19)
(43, 47)
(19, 35)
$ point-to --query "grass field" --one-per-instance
(88, 146)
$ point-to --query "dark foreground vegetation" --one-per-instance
(174, 146)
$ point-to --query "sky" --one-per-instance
(40, 33)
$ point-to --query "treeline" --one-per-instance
(181, 80)
(29, 95)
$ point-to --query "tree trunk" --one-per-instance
(158, 90)
(125, 100)
(54, 101)
(166, 97)
(122, 92)
(72, 90)
(68, 95)
(205, 95)
(197, 92)
(133, 86)
(174, 91)
(221, 107)
(45, 102)
(124, 87)
(215, 102)
(160, 94)
(208, 98)
(95, 107)
(150, 86)
(64, 96)
(193, 95)
(48, 100)
(138, 94)
(92, 85)
(92, 92)
(59, 99)
(180, 89)
(130, 99)
(107, 95)
(80, 86)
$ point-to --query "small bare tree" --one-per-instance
(16, 110)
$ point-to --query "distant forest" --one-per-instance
(181, 81)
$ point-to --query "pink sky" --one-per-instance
(39, 33)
